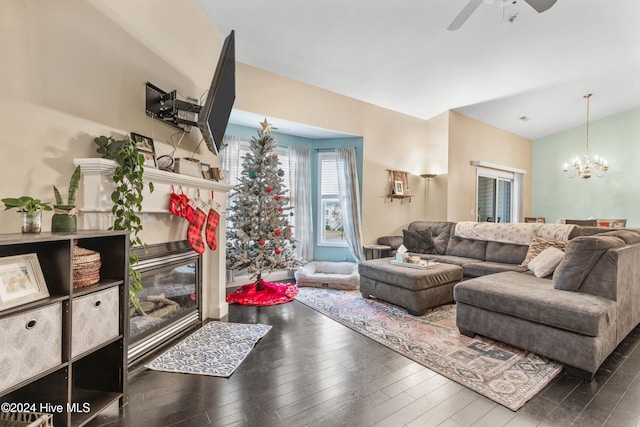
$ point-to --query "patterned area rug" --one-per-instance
(504, 374)
(216, 349)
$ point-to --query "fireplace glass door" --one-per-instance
(170, 300)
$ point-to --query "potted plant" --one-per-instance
(127, 198)
(31, 210)
(64, 217)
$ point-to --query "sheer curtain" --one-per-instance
(518, 192)
(350, 200)
(230, 158)
(230, 164)
(301, 199)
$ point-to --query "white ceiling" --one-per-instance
(399, 55)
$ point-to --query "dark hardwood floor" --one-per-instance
(311, 371)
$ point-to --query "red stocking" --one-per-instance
(210, 231)
(194, 232)
(187, 210)
(179, 205)
(175, 204)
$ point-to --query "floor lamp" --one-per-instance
(428, 177)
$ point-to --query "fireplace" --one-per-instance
(171, 299)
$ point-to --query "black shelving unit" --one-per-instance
(77, 387)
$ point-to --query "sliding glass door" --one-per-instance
(494, 196)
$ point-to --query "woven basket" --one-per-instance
(86, 267)
(25, 419)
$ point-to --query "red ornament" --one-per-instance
(279, 209)
(277, 232)
(269, 189)
(277, 198)
(261, 242)
(277, 251)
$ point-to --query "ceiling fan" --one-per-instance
(539, 5)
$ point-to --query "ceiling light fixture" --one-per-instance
(598, 166)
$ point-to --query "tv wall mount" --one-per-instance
(166, 106)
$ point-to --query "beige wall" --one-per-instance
(471, 140)
(74, 70)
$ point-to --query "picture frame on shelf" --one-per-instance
(206, 171)
(218, 174)
(398, 188)
(21, 281)
(145, 146)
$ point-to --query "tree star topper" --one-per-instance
(266, 126)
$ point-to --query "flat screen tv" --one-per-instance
(214, 115)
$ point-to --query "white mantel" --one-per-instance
(159, 225)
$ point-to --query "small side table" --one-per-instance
(376, 251)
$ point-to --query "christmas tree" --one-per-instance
(260, 238)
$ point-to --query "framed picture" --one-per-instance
(206, 171)
(145, 147)
(398, 188)
(219, 174)
(21, 280)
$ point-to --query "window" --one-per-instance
(236, 162)
(330, 229)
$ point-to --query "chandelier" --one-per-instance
(584, 168)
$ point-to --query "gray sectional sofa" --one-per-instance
(577, 315)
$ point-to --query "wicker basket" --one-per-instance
(86, 267)
(25, 419)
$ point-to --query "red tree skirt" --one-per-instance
(271, 294)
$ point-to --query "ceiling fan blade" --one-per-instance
(541, 5)
(464, 14)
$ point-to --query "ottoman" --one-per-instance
(414, 289)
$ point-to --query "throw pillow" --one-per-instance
(539, 244)
(546, 262)
(581, 256)
(420, 242)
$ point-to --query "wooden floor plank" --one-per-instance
(418, 407)
(473, 412)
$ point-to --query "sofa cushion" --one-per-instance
(630, 237)
(546, 262)
(393, 242)
(467, 248)
(450, 259)
(604, 277)
(419, 241)
(581, 254)
(538, 244)
(440, 231)
(534, 299)
(481, 268)
(506, 252)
